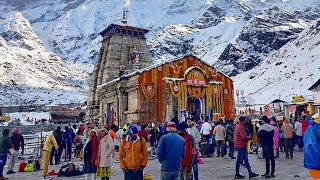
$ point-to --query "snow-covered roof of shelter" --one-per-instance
(126, 76)
(314, 86)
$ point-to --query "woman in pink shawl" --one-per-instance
(275, 139)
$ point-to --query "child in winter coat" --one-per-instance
(276, 138)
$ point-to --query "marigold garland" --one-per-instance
(154, 93)
(147, 94)
(196, 92)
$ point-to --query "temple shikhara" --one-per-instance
(127, 86)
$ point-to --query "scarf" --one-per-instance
(99, 150)
(94, 149)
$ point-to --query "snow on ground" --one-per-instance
(23, 116)
(31, 115)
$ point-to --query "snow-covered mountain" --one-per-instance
(287, 72)
(30, 74)
(234, 35)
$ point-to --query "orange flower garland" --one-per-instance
(176, 90)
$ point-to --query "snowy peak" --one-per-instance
(289, 71)
(30, 74)
(17, 31)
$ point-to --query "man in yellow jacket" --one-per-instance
(133, 155)
(47, 148)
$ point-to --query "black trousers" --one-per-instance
(269, 157)
(288, 146)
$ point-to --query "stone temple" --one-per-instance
(127, 86)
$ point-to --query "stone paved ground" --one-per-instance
(212, 169)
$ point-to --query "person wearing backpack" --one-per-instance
(105, 150)
(133, 155)
(189, 159)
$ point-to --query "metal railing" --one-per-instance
(33, 145)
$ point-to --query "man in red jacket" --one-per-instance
(240, 143)
(188, 160)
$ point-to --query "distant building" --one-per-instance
(278, 107)
(316, 88)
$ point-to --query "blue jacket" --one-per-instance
(67, 137)
(311, 142)
(170, 152)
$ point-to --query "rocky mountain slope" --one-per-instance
(30, 74)
(233, 35)
(287, 72)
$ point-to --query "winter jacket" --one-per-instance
(50, 142)
(133, 155)
(5, 143)
(105, 149)
(143, 133)
(240, 137)
(276, 137)
(219, 132)
(265, 135)
(311, 142)
(67, 137)
(194, 132)
(230, 132)
(287, 130)
(171, 150)
(189, 145)
(17, 141)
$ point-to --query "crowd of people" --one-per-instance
(179, 146)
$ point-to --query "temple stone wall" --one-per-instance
(113, 61)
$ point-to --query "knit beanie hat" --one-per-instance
(133, 130)
(171, 126)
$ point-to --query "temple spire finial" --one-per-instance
(125, 12)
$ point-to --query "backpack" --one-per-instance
(29, 168)
(37, 164)
(22, 165)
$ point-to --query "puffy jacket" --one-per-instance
(265, 134)
(240, 137)
(170, 152)
(311, 142)
(133, 155)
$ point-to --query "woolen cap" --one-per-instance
(133, 130)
